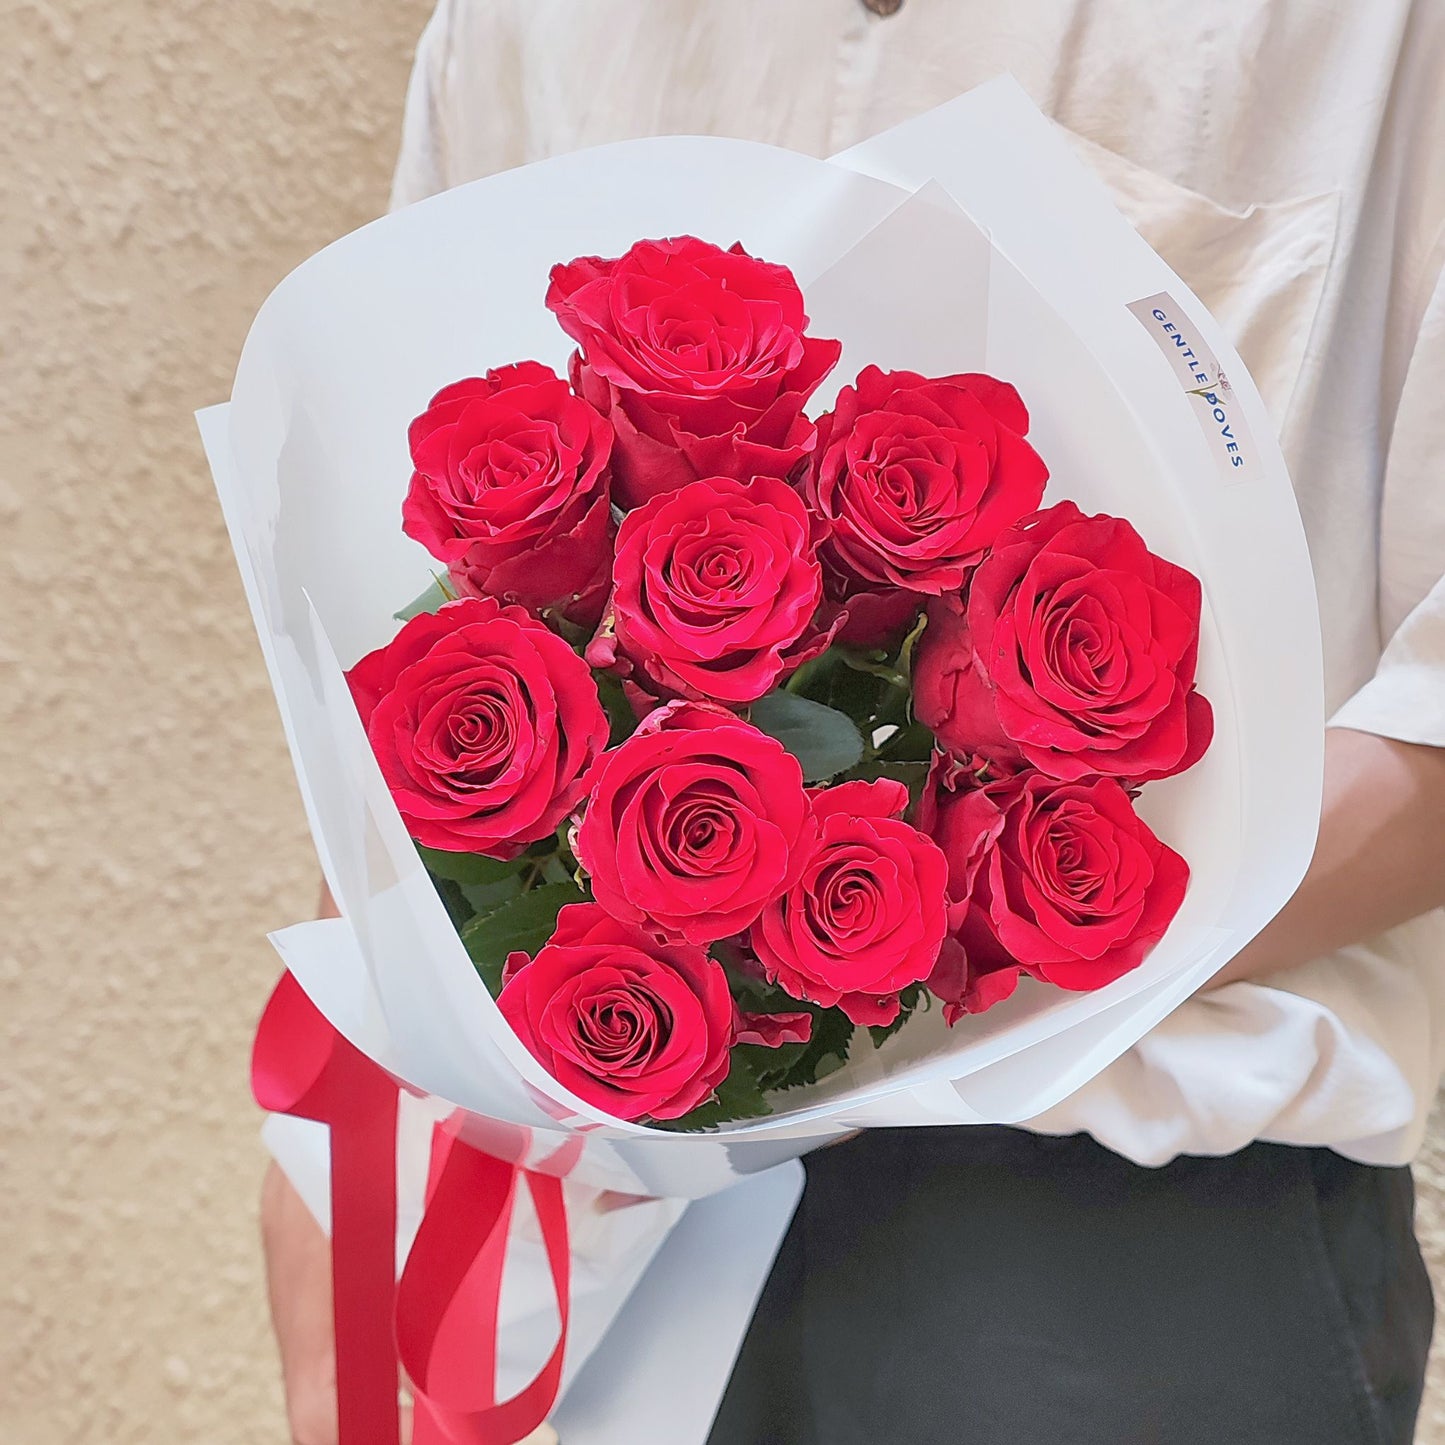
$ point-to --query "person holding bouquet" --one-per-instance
(1212, 1241)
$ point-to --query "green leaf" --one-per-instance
(772, 1065)
(620, 717)
(822, 739)
(739, 1096)
(432, 600)
(858, 695)
(753, 993)
(874, 662)
(825, 1052)
(453, 900)
(522, 923)
(485, 897)
(809, 677)
(789, 1065)
(472, 868)
(910, 744)
(554, 870)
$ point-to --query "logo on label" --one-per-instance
(1215, 404)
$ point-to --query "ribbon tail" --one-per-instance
(448, 1298)
(363, 1232)
(301, 1066)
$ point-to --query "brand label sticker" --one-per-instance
(1212, 398)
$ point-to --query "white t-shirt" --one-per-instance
(1287, 158)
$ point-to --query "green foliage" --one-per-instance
(829, 681)
(453, 900)
(875, 662)
(870, 688)
(432, 600)
(484, 897)
(524, 923)
(905, 651)
(622, 721)
(556, 870)
(758, 1071)
(789, 1065)
(470, 868)
(824, 740)
(825, 1052)
(912, 743)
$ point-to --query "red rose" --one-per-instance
(716, 591)
(1062, 880)
(484, 723)
(510, 490)
(694, 824)
(916, 476)
(698, 358)
(638, 1028)
(1074, 652)
(868, 914)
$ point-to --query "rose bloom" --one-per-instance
(698, 358)
(717, 587)
(1060, 880)
(510, 490)
(484, 724)
(1074, 653)
(867, 916)
(916, 476)
(635, 1027)
(694, 824)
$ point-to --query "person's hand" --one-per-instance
(1379, 859)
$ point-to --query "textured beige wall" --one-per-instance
(165, 162)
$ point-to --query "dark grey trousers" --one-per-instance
(986, 1286)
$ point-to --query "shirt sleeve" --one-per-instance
(1340, 1053)
(1405, 699)
(421, 169)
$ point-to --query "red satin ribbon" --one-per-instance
(300, 1065)
(445, 1308)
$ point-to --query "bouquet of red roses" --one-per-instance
(805, 729)
(726, 731)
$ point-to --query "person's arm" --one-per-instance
(1379, 861)
(298, 1283)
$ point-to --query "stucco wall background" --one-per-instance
(165, 162)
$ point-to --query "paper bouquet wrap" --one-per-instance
(967, 245)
